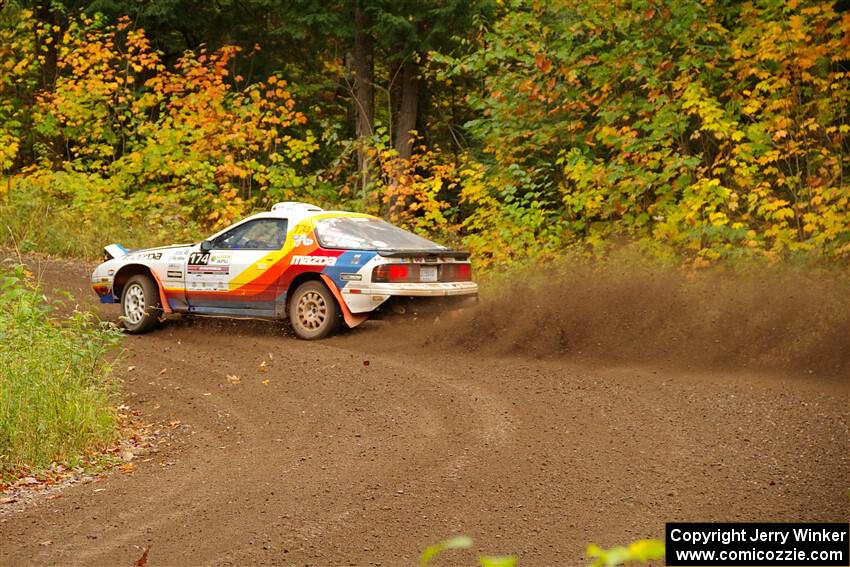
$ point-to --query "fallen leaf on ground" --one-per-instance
(142, 561)
(163, 371)
(266, 382)
(130, 368)
(262, 367)
(233, 379)
(28, 480)
(128, 467)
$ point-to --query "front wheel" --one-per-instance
(313, 311)
(140, 304)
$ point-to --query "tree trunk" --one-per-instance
(44, 13)
(364, 92)
(50, 70)
(407, 110)
(403, 137)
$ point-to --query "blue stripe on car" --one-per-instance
(345, 264)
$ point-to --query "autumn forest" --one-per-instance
(699, 130)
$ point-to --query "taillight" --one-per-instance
(422, 273)
(460, 272)
(391, 273)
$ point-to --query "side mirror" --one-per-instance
(206, 246)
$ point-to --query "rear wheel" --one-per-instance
(313, 311)
(140, 304)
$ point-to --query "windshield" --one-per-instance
(366, 233)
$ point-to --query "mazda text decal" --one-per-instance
(145, 256)
(313, 260)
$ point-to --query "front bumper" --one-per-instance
(102, 286)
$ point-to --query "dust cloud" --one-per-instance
(767, 318)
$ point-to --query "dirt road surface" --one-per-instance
(363, 449)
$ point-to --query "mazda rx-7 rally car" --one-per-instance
(297, 261)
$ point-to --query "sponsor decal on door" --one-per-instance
(206, 263)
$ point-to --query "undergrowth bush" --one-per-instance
(55, 385)
(75, 214)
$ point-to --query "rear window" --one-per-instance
(365, 233)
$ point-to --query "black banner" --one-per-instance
(757, 544)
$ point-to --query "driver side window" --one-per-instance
(260, 234)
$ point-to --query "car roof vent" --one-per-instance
(296, 206)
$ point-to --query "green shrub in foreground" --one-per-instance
(55, 389)
(639, 552)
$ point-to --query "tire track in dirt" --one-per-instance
(336, 462)
(250, 451)
(174, 494)
(432, 424)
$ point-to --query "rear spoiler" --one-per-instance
(114, 251)
(427, 253)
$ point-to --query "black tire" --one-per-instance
(140, 305)
(313, 311)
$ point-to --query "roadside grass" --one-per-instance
(58, 223)
(56, 390)
(39, 227)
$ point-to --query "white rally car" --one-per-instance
(315, 267)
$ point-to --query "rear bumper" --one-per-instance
(372, 296)
(436, 289)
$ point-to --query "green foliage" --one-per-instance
(497, 561)
(18, 79)
(55, 389)
(465, 542)
(408, 27)
(718, 129)
(69, 214)
(641, 551)
(459, 542)
(701, 130)
(191, 137)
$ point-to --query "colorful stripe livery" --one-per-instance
(245, 271)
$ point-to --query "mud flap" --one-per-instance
(351, 319)
(166, 308)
